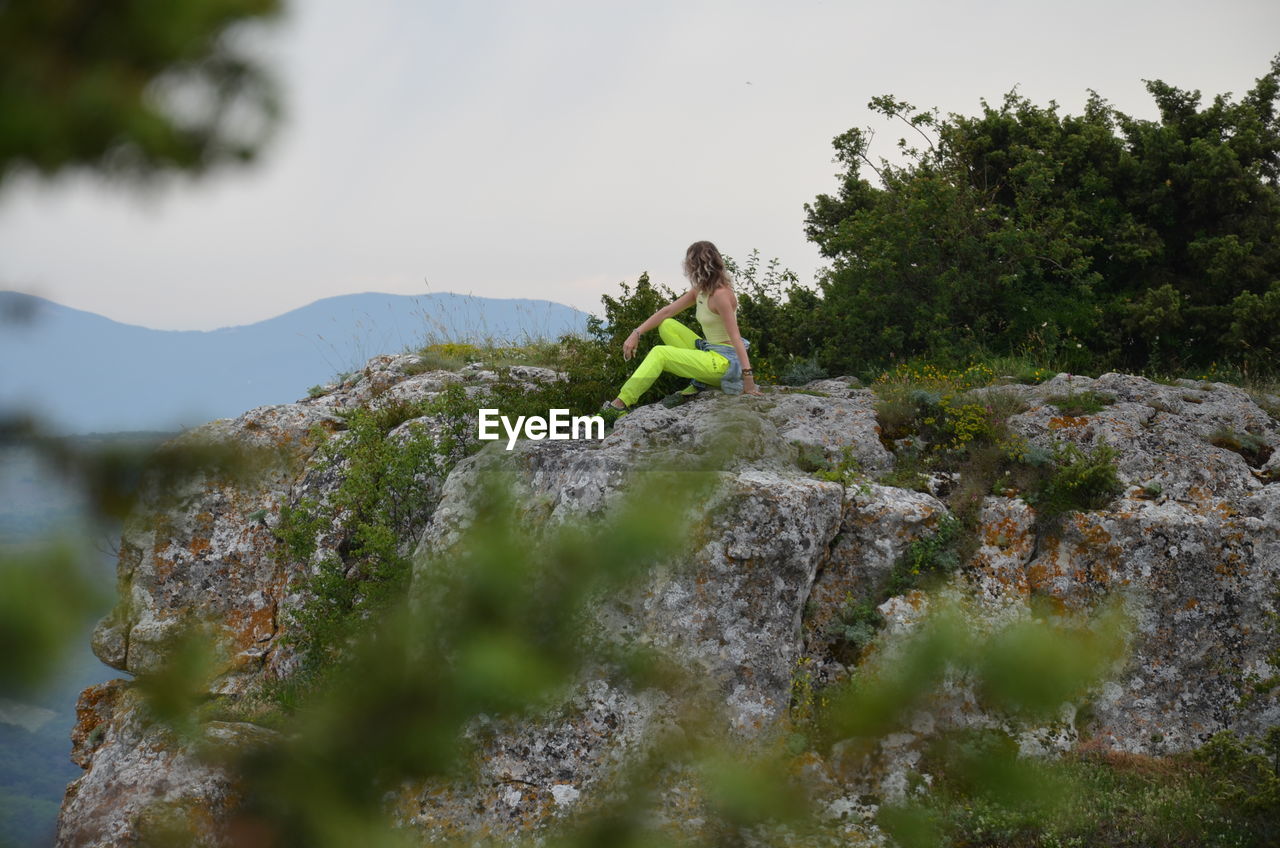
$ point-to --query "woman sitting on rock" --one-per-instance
(719, 359)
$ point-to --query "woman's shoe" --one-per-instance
(683, 396)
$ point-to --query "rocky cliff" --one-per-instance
(1191, 547)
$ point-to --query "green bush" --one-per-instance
(854, 628)
(797, 371)
(1087, 402)
(1078, 480)
(1245, 774)
(384, 496)
(927, 559)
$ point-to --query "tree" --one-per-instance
(1096, 241)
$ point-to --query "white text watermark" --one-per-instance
(557, 426)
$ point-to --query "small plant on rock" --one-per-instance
(1078, 480)
(1087, 402)
(928, 558)
(797, 371)
(1254, 449)
(854, 628)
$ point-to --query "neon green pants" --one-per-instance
(676, 355)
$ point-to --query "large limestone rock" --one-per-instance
(1193, 547)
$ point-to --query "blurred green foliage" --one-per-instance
(495, 627)
(35, 636)
(126, 89)
(132, 87)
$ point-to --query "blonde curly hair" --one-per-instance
(704, 266)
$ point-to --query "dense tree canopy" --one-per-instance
(1094, 241)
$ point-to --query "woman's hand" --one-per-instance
(632, 341)
(724, 303)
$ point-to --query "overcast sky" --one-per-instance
(552, 149)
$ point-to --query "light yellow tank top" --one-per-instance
(712, 324)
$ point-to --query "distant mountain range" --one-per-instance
(83, 373)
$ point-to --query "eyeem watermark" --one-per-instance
(560, 425)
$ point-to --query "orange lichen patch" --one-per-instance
(1095, 544)
(915, 599)
(1224, 509)
(326, 425)
(202, 542)
(1091, 574)
(1003, 534)
(93, 710)
(1067, 422)
(1231, 565)
(1191, 603)
(1199, 493)
(249, 628)
(1039, 574)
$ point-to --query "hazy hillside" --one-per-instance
(84, 373)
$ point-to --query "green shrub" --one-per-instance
(383, 497)
(812, 459)
(1020, 369)
(796, 371)
(927, 559)
(933, 406)
(1087, 402)
(854, 628)
(1245, 774)
(444, 357)
(1078, 480)
(906, 474)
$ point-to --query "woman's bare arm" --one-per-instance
(675, 307)
(725, 304)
